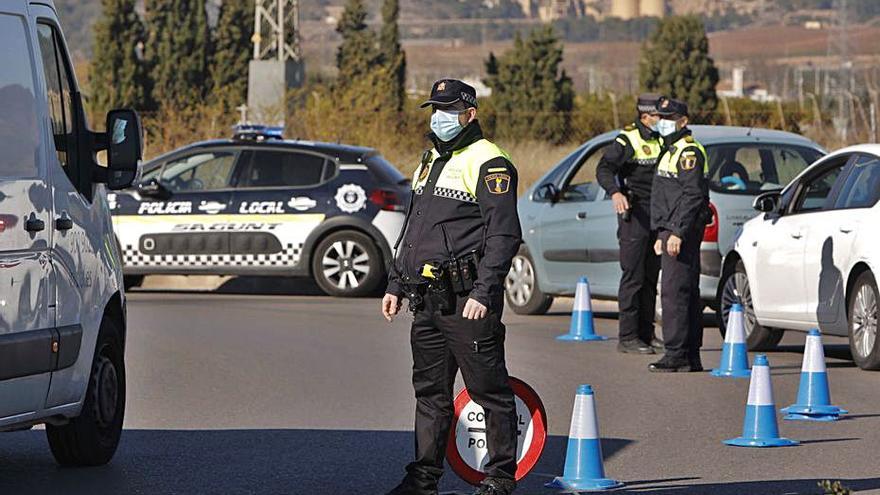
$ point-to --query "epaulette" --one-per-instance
(629, 127)
(689, 139)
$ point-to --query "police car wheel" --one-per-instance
(91, 438)
(734, 287)
(521, 287)
(347, 264)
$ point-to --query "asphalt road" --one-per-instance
(234, 394)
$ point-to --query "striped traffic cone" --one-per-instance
(760, 428)
(583, 459)
(814, 398)
(582, 328)
(734, 355)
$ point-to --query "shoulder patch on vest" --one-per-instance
(498, 183)
(688, 160)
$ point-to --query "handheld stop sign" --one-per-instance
(467, 451)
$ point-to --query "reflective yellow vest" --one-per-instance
(461, 174)
(647, 152)
(668, 166)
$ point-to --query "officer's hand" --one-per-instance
(673, 245)
(390, 306)
(658, 247)
(621, 204)
(473, 310)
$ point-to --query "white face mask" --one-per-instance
(445, 125)
(666, 127)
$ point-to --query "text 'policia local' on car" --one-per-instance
(258, 204)
(811, 258)
(62, 309)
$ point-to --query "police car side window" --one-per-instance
(199, 172)
(279, 168)
(60, 99)
(582, 185)
(19, 123)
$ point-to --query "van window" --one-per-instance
(19, 121)
(58, 93)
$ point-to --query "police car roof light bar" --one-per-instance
(257, 132)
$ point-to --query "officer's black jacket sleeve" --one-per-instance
(394, 283)
(692, 205)
(616, 154)
(501, 221)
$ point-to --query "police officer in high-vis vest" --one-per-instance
(626, 172)
(679, 213)
(461, 233)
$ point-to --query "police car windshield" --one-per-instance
(751, 168)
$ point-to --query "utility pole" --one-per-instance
(277, 64)
(844, 84)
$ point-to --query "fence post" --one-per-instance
(614, 113)
(781, 114)
(727, 117)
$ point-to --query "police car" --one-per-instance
(258, 204)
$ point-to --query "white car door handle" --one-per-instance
(846, 229)
(581, 215)
(796, 235)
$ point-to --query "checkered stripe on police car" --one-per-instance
(290, 255)
(455, 194)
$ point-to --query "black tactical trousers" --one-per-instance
(680, 297)
(641, 267)
(441, 345)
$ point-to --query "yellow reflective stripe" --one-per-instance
(498, 169)
(621, 141)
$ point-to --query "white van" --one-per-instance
(62, 306)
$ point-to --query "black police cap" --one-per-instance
(449, 91)
(648, 102)
(672, 108)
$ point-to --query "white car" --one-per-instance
(811, 257)
(62, 307)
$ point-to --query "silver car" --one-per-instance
(570, 228)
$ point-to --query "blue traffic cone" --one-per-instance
(760, 428)
(582, 315)
(734, 355)
(583, 459)
(814, 398)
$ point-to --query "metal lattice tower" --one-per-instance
(276, 30)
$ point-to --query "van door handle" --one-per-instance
(846, 229)
(63, 222)
(34, 224)
(581, 215)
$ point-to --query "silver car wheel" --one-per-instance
(520, 281)
(736, 290)
(864, 321)
(346, 264)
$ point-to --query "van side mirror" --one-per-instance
(124, 148)
(767, 202)
(546, 192)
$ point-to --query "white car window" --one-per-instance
(19, 129)
(815, 192)
(861, 188)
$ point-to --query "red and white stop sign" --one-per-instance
(467, 452)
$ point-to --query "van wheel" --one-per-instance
(521, 287)
(863, 305)
(132, 281)
(347, 264)
(734, 288)
(91, 438)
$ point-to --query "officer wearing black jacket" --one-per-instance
(461, 233)
(626, 172)
(679, 213)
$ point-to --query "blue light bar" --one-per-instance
(257, 132)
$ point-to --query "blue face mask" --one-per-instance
(666, 127)
(445, 125)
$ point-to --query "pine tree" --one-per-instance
(530, 92)
(178, 49)
(232, 53)
(675, 62)
(358, 54)
(119, 76)
(394, 58)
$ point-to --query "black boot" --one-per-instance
(669, 364)
(416, 483)
(634, 346)
(496, 486)
(695, 362)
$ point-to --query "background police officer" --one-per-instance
(679, 211)
(626, 171)
(462, 226)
